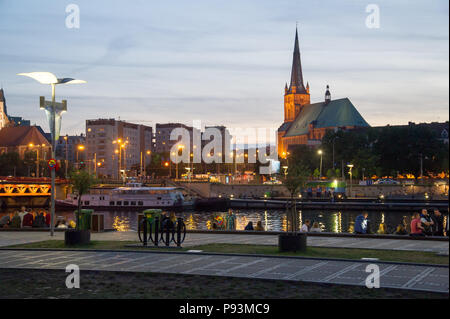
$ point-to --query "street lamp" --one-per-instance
(148, 153)
(31, 145)
(79, 148)
(67, 156)
(320, 153)
(285, 168)
(54, 111)
(350, 166)
(180, 148)
(119, 151)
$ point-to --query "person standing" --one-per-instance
(361, 223)
(438, 220)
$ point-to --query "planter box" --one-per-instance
(292, 242)
(77, 237)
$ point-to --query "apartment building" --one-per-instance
(114, 146)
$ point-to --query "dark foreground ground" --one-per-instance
(18, 283)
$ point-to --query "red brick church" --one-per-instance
(306, 123)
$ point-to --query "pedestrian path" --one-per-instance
(195, 239)
(403, 276)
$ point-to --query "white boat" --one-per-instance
(131, 196)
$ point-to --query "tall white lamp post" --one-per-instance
(350, 166)
(54, 111)
(320, 153)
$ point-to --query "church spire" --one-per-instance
(297, 85)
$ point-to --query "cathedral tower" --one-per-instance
(3, 114)
(296, 95)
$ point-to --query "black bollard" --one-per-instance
(179, 223)
(167, 231)
(145, 222)
(156, 230)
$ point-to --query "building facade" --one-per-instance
(67, 147)
(4, 121)
(21, 139)
(116, 146)
(163, 143)
(306, 123)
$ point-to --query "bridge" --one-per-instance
(28, 191)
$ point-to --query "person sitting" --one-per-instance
(28, 220)
(427, 222)
(438, 220)
(5, 221)
(417, 229)
(61, 224)
(249, 226)
(259, 226)
(315, 228)
(400, 230)
(305, 227)
(48, 218)
(16, 221)
(361, 222)
(39, 221)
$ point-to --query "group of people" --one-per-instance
(425, 224)
(32, 219)
(25, 219)
(422, 223)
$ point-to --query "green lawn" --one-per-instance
(321, 252)
(28, 283)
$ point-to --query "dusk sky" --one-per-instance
(225, 62)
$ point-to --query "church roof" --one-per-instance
(337, 113)
(21, 136)
(284, 127)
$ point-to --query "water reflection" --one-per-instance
(273, 220)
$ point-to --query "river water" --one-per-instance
(272, 220)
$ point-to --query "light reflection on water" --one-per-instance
(272, 220)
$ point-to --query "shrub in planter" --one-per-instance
(292, 242)
(77, 237)
(294, 181)
(81, 182)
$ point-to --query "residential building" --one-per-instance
(71, 147)
(114, 145)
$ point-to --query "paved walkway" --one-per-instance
(193, 239)
(413, 277)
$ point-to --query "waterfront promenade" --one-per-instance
(325, 271)
(433, 278)
(9, 238)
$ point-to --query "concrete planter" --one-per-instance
(77, 237)
(292, 242)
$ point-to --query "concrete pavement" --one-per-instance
(403, 276)
(193, 239)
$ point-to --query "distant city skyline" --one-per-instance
(225, 63)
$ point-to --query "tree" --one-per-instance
(81, 182)
(295, 182)
(316, 173)
(331, 173)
